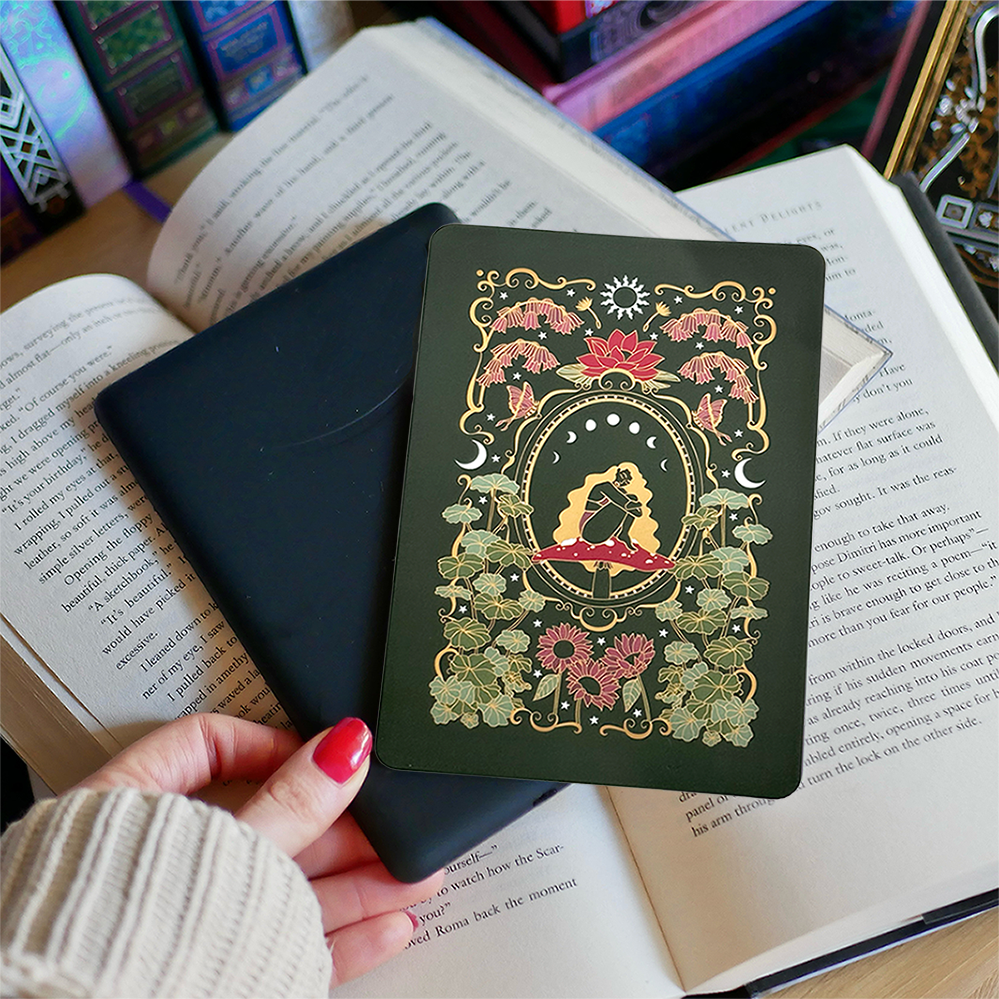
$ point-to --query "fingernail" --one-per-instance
(412, 919)
(345, 747)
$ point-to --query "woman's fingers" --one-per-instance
(359, 894)
(358, 948)
(188, 754)
(308, 793)
(340, 848)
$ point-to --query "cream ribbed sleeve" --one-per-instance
(127, 894)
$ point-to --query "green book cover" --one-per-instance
(602, 572)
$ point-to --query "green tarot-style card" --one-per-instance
(603, 559)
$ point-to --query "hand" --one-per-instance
(305, 791)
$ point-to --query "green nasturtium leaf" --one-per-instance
(442, 714)
(461, 513)
(492, 584)
(728, 651)
(740, 736)
(710, 599)
(685, 725)
(497, 480)
(513, 639)
(697, 567)
(450, 690)
(466, 633)
(711, 737)
(460, 566)
(497, 609)
(725, 497)
(532, 601)
(703, 519)
(499, 662)
(749, 612)
(497, 711)
(452, 591)
(731, 559)
(510, 506)
(505, 554)
(714, 685)
(692, 675)
(478, 542)
(741, 584)
(470, 719)
(679, 652)
(754, 534)
(668, 610)
(703, 622)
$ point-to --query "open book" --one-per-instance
(107, 632)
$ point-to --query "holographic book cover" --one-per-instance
(603, 561)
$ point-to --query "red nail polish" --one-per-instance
(343, 750)
(413, 919)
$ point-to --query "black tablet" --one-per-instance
(272, 446)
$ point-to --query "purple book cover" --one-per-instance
(54, 79)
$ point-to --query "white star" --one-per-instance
(736, 628)
(663, 633)
(537, 624)
(637, 712)
(516, 377)
(601, 641)
(699, 345)
(718, 388)
(564, 705)
(514, 577)
(678, 299)
(738, 308)
(570, 292)
(483, 500)
(462, 609)
(725, 473)
(733, 516)
(653, 336)
(496, 457)
(689, 589)
(542, 334)
(537, 672)
(502, 294)
(588, 332)
(593, 720)
(490, 417)
(738, 433)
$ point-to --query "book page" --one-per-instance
(896, 812)
(395, 120)
(97, 599)
(550, 906)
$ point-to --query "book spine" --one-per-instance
(704, 101)
(562, 15)
(17, 230)
(54, 79)
(144, 74)
(596, 38)
(614, 86)
(321, 28)
(34, 163)
(247, 53)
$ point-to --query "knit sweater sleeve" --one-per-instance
(125, 893)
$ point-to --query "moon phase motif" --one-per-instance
(477, 461)
(741, 477)
(662, 464)
(651, 442)
(572, 437)
(556, 457)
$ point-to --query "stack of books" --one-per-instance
(95, 94)
(691, 89)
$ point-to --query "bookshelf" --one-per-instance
(117, 236)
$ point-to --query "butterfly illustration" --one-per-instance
(522, 404)
(709, 416)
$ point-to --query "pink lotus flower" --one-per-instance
(620, 352)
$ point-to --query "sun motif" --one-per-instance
(624, 297)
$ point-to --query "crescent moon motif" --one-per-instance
(555, 460)
(662, 464)
(651, 442)
(740, 476)
(477, 461)
(572, 437)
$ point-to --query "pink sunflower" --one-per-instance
(593, 684)
(629, 655)
(562, 646)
